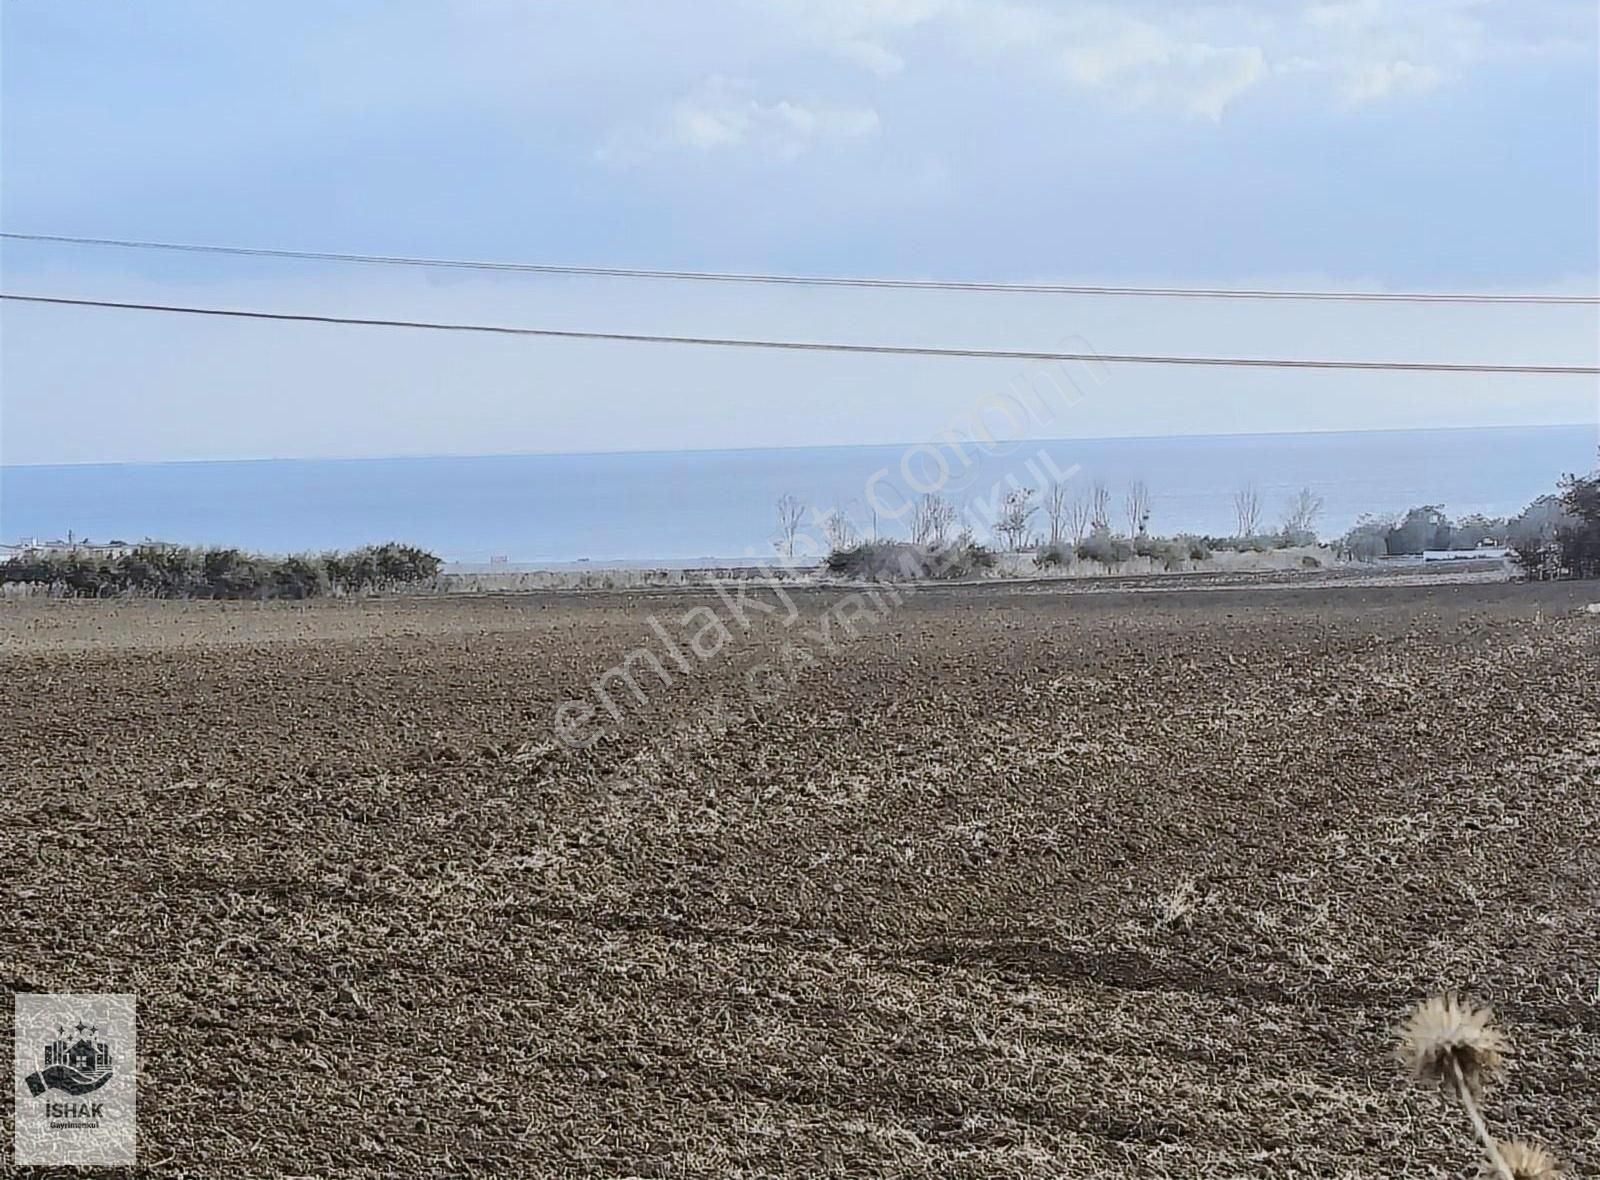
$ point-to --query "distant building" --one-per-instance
(1481, 553)
(35, 547)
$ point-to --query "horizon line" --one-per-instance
(401, 457)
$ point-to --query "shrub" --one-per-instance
(1171, 552)
(1105, 547)
(1421, 528)
(1416, 531)
(300, 577)
(1579, 538)
(880, 561)
(1368, 539)
(963, 558)
(1054, 554)
(173, 571)
(1560, 534)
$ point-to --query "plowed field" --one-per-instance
(1002, 884)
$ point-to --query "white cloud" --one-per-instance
(853, 30)
(1382, 79)
(723, 114)
(1141, 66)
(872, 56)
(1197, 59)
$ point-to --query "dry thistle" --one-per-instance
(1525, 1161)
(1452, 1042)
(1455, 1044)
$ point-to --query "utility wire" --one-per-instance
(823, 346)
(820, 281)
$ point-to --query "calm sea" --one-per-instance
(687, 506)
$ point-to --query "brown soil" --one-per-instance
(1014, 883)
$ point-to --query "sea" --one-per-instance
(712, 507)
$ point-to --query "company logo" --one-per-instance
(76, 1079)
(73, 1066)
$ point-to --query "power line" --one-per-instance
(824, 346)
(819, 280)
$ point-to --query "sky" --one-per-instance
(1351, 144)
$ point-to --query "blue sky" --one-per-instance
(1435, 144)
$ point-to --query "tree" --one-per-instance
(1082, 515)
(1426, 527)
(1475, 530)
(1367, 540)
(1136, 508)
(1560, 534)
(931, 519)
(1247, 511)
(1099, 506)
(1016, 515)
(1534, 537)
(838, 530)
(1580, 495)
(791, 513)
(1057, 510)
(1300, 517)
(1579, 539)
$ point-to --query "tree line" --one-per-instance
(1095, 524)
(1557, 535)
(177, 571)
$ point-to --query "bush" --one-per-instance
(1559, 535)
(881, 561)
(1368, 539)
(1419, 530)
(173, 571)
(1105, 547)
(963, 559)
(1054, 554)
(1255, 543)
(1579, 538)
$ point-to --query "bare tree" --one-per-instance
(1082, 518)
(1136, 507)
(931, 519)
(1057, 510)
(838, 531)
(1300, 516)
(1099, 506)
(1247, 510)
(1016, 515)
(791, 514)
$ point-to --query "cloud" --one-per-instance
(1382, 79)
(723, 115)
(871, 56)
(1196, 60)
(1143, 67)
(855, 31)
